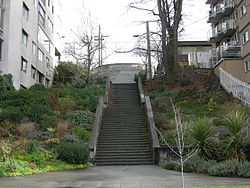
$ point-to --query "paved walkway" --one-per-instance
(117, 177)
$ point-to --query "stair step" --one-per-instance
(119, 157)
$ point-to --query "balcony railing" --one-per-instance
(226, 51)
(223, 29)
(239, 89)
(220, 10)
(229, 52)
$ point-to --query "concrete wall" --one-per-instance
(234, 67)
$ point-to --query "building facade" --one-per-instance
(195, 53)
(27, 33)
(230, 21)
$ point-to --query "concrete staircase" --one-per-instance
(124, 136)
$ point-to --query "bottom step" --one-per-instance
(123, 163)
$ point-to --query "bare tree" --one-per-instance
(180, 132)
(169, 15)
(84, 48)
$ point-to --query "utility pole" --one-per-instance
(100, 39)
(149, 52)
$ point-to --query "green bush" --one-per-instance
(73, 152)
(201, 132)
(11, 113)
(80, 118)
(235, 122)
(65, 105)
(226, 168)
(85, 98)
(48, 121)
(6, 85)
(230, 168)
(5, 150)
(33, 146)
(82, 133)
(14, 168)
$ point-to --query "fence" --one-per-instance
(239, 89)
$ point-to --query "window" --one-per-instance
(243, 10)
(245, 37)
(40, 55)
(50, 25)
(52, 9)
(41, 15)
(44, 40)
(25, 11)
(33, 48)
(247, 66)
(47, 62)
(47, 82)
(49, 2)
(1, 16)
(40, 77)
(24, 38)
(1, 48)
(33, 72)
(24, 64)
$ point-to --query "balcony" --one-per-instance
(220, 11)
(222, 30)
(225, 51)
(212, 2)
(232, 52)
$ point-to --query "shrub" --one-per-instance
(73, 152)
(80, 118)
(53, 98)
(35, 112)
(27, 129)
(6, 128)
(201, 132)
(48, 121)
(82, 133)
(5, 150)
(6, 85)
(14, 168)
(11, 114)
(65, 105)
(235, 122)
(33, 146)
(226, 168)
(62, 129)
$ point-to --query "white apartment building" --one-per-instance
(27, 47)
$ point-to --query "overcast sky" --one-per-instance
(120, 24)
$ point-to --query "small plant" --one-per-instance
(82, 133)
(53, 98)
(235, 122)
(201, 132)
(48, 121)
(5, 150)
(27, 129)
(65, 105)
(80, 118)
(33, 146)
(62, 129)
(73, 152)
